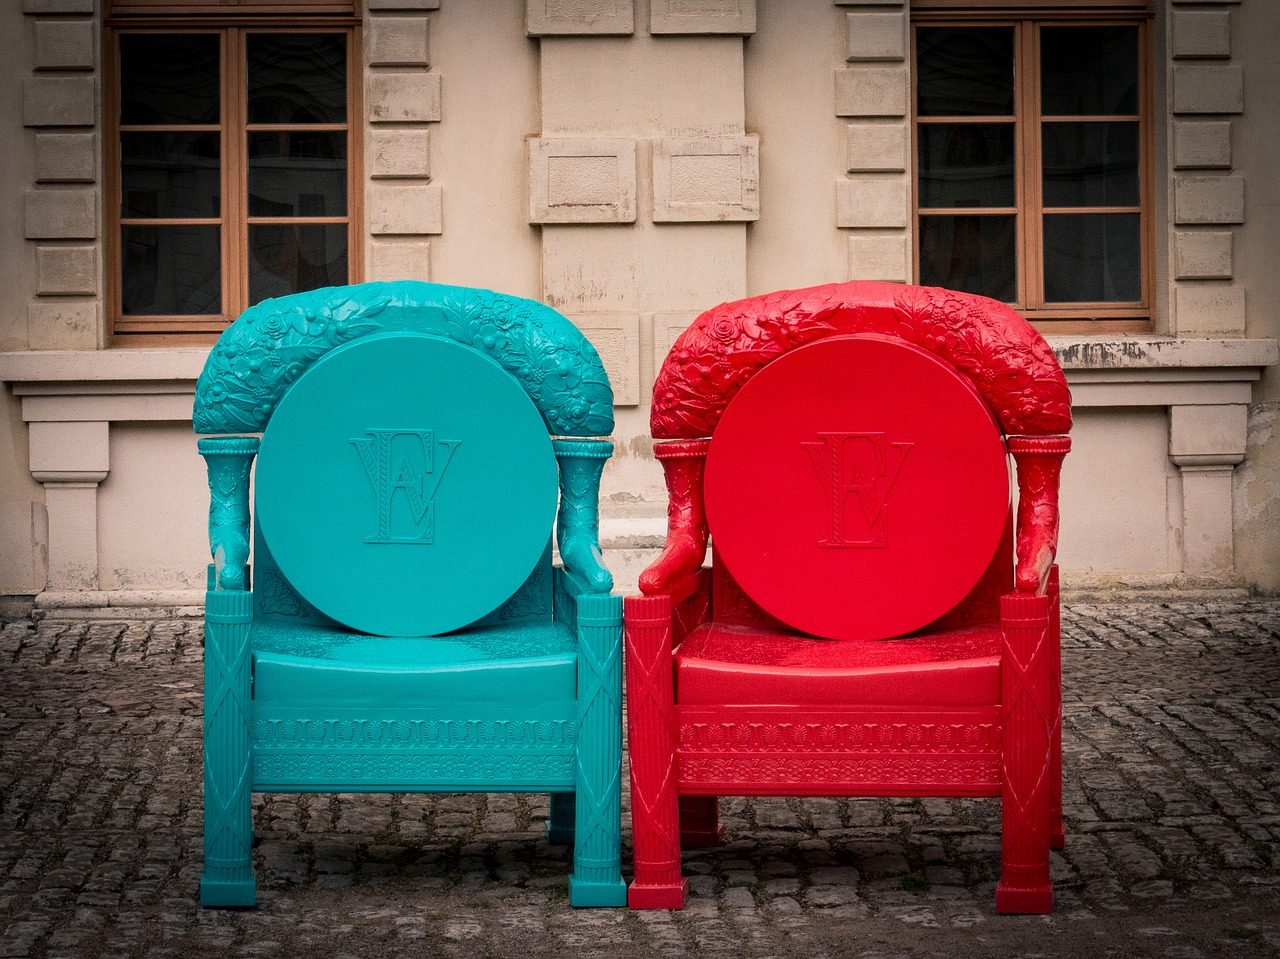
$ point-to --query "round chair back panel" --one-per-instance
(857, 488)
(406, 485)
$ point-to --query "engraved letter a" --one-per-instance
(856, 463)
(391, 459)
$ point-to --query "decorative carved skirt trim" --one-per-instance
(886, 752)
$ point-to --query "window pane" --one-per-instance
(1088, 71)
(292, 257)
(973, 254)
(169, 175)
(298, 174)
(297, 78)
(964, 71)
(169, 78)
(171, 271)
(966, 164)
(1090, 164)
(1092, 258)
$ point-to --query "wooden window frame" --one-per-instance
(121, 9)
(234, 130)
(1026, 19)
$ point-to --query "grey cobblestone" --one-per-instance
(1171, 750)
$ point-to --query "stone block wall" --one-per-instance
(62, 208)
(403, 101)
(632, 164)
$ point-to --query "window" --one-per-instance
(1033, 165)
(231, 169)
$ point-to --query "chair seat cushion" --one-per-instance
(533, 664)
(727, 664)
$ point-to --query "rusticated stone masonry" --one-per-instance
(61, 208)
(402, 101)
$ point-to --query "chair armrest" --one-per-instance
(578, 520)
(229, 460)
(1039, 462)
(686, 546)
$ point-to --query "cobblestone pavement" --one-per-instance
(1172, 755)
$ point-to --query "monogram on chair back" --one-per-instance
(406, 485)
(872, 466)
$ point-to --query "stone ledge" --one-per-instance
(124, 365)
(1086, 359)
(633, 532)
(119, 604)
(111, 605)
(1156, 352)
(1151, 587)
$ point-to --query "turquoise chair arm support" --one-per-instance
(229, 459)
(273, 343)
(578, 522)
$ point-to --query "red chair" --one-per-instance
(861, 630)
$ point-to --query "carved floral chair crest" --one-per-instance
(405, 629)
(863, 628)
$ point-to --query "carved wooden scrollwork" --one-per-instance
(1008, 362)
(273, 343)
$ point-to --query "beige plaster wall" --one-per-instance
(489, 82)
(152, 531)
(1119, 491)
(1255, 38)
(790, 80)
(640, 275)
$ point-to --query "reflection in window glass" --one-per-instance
(975, 254)
(290, 257)
(1090, 164)
(169, 79)
(297, 78)
(1092, 258)
(298, 174)
(170, 175)
(1089, 71)
(966, 165)
(171, 271)
(964, 71)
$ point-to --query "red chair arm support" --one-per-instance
(1006, 359)
(686, 546)
(1039, 462)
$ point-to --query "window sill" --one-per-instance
(104, 385)
(158, 384)
(1161, 370)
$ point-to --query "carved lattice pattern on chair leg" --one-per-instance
(650, 707)
(228, 823)
(1057, 836)
(1025, 775)
(597, 856)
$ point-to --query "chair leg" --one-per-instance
(1024, 885)
(597, 846)
(699, 822)
(1057, 836)
(655, 820)
(228, 823)
(560, 825)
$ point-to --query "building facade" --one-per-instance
(1106, 166)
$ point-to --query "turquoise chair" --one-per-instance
(405, 630)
